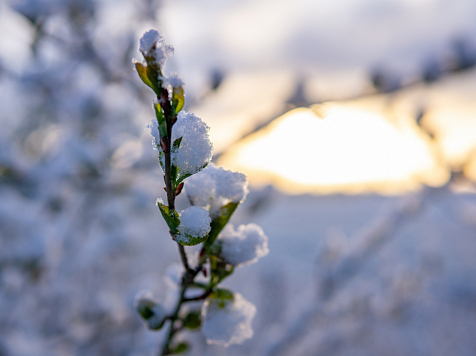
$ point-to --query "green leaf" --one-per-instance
(145, 309)
(181, 178)
(223, 294)
(161, 120)
(178, 100)
(222, 297)
(142, 71)
(176, 143)
(173, 167)
(161, 159)
(188, 240)
(171, 217)
(173, 175)
(150, 76)
(193, 320)
(179, 348)
(219, 222)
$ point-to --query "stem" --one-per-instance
(200, 297)
(172, 330)
(165, 104)
(183, 255)
(190, 274)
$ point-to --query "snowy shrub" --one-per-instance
(185, 151)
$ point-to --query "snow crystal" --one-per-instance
(150, 310)
(152, 44)
(173, 80)
(227, 322)
(154, 132)
(214, 187)
(195, 148)
(244, 246)
(194, 225)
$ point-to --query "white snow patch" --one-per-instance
(173, 80)
(244, 246)
(195, 148)
(194, 224)
(149, 40)
(227, 322)
(152, 44)
(214, 187)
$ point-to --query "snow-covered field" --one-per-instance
(361, 274)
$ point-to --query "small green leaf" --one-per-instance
(173, 167)
(145, 309)
(173, 175)
(176, 143)
(222, 293)
(188, 240)
(149, 75)
(181, 178)
(219, 222)
(193, 320)
(161, 159)
(222, 296)
(142, 71)
(161, 120)
(180, 348)
(178, 100)
(171, 217)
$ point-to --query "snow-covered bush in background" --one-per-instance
(184, 147)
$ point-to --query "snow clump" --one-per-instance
(194, 226)
(215, 187)
(173, 80)
(242, 247)
(150, 310)
(152, 44)
(195, 150)
(227, 321)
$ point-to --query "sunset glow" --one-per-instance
(338, 148)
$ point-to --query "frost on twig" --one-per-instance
(184, 148)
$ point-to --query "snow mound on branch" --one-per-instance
(244, 246)
(152, 44)
(173, 80)
(227, 322)
(195, 150)
(215, 187)
(194, 224)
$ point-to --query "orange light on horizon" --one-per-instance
(350, 149)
